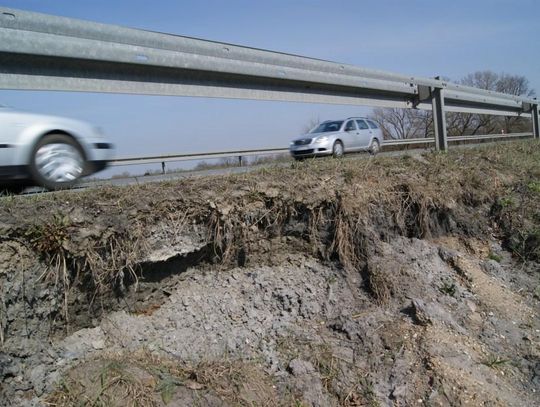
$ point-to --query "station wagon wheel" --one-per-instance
(374, 147)
(57, 161)
(337, 149)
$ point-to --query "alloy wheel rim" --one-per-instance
(59, 162)
(338, 150)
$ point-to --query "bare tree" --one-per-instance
(511, 84)
(481, 79)
(409, 123)
(310, 124)
(519, 86)
(424, 123)
(401, 123)
(460, 124)
(514, 85)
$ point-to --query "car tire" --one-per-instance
(337, 149)
(57, 162)
(374, 147)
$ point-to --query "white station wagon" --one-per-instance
(337, 137)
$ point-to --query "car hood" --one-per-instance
(76, 127)
(27, 117)
(314, 135)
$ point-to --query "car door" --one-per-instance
(7, 137)
(350, 135)
(364, 134)
(375, 130)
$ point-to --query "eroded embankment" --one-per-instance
(331, 282)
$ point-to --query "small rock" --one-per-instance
(420, 312)
(300, 367)
(399, 391)
(37, 378)
(7, 367)
(190, 384)
(5, 229)
(148, 380)
(471, 305)
(344, 353)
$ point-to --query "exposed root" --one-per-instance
(335, 210)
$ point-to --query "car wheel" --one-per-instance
(57, 162)
(374, 147)
(337, 149)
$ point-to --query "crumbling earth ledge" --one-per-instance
(402, 281)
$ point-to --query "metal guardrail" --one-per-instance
(455, 138)
(269, 151)
(44, 52)
(489, 137)
(195, 156)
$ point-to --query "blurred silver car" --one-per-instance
(337, 137)
(53, 152)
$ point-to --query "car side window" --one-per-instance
(372, 124)
(350, 126)
(362, 125)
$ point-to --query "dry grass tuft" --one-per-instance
(381, 284)
(50, 239)
(106, 383)
(147, 380)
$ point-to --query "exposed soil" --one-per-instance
(404, 281)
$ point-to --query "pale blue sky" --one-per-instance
(420, 38)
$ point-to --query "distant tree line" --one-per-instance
(415, 123)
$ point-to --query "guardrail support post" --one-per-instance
(536, 128)
(439, 119)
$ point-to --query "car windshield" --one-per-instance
(327, 126)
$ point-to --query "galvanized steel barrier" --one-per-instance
(44, 52)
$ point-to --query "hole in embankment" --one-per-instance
(141, 292)
(156, 272)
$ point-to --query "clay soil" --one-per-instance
(382, 282)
